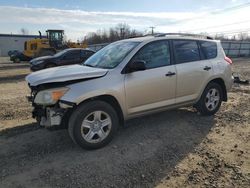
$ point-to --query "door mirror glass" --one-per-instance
(137, 65)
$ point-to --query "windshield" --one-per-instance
(61, 53)
(111, 55)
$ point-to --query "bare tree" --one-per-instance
(120, 31)
(243, 36)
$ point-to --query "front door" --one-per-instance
(154, 87)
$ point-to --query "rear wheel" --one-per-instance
(92, 125)
(210, 100)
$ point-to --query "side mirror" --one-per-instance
(138, 65)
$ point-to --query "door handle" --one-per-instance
(206, 68)
(170, 74)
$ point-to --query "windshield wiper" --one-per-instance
(87, 65)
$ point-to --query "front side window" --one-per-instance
(209, 49)
(186, 51)
(112, 55)
(155, 54)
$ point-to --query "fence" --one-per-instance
(236, 48)
(231, 48)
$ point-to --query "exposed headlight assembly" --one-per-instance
(50, 96)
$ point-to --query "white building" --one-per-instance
(13, 42)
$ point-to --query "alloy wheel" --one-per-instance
(96, 126)
(212, 99)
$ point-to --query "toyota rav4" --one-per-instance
(127, 79)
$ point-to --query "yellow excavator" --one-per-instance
(49, 45)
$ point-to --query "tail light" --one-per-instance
(228, 60)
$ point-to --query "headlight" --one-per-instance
(50, 96)
(36, 62)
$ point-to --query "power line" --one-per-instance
(220, 11)
(231, 31)
(233, 8)
(219, 26)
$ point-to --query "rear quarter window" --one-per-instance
(209, 49)
(186, 51)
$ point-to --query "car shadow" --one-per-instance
(144, 151)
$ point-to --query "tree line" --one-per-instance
(120, 31)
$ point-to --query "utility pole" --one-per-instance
(122, 32)
(152, 29)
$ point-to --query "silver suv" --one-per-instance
(127, 79)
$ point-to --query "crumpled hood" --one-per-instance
(64, 73)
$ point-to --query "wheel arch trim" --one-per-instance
(221, 82)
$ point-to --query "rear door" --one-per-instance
(71, 57)
(154, 87)
(193, 70)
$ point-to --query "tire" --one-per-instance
(210, 100)
(87, 134)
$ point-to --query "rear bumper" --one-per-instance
(21, 56)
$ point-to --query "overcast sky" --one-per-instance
(78, 17)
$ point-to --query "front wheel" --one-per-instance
(93, 124)
(210, 100)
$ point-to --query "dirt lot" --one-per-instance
(177, 148)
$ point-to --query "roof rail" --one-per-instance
(184, 34)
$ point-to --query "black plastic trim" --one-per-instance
(68, 103)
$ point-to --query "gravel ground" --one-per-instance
(177, 148)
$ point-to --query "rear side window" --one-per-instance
(209, 49)
(74, 54)
(186, 51)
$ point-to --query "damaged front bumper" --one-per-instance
(51, 116)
